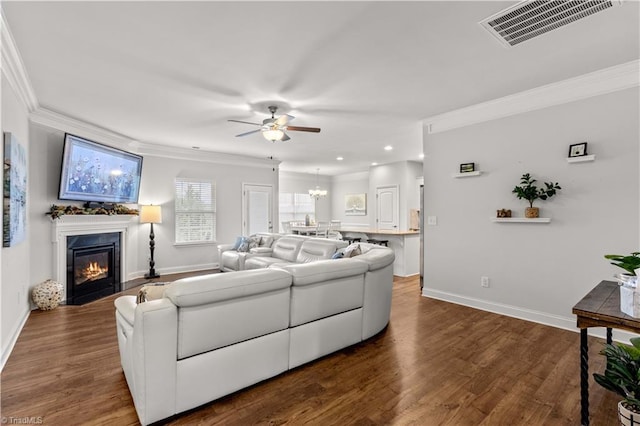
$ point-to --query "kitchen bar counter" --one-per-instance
(405, 244)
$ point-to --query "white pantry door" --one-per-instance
(387, 207)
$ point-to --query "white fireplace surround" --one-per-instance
(71, 225)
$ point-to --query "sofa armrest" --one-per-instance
(126, 306)
(225, 247)
(153, 351)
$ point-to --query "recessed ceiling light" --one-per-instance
(421, 155)
(388, 148)
(374, 164)
(339, 158)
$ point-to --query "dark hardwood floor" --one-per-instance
(436, 364)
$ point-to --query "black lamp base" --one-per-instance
(151, 275)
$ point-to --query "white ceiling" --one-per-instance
(173, 73)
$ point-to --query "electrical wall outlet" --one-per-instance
(432, 220)
(484, 282)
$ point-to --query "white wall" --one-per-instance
(536, 272)
(343, 185)
(16, 265)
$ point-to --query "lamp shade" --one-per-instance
(150, 214)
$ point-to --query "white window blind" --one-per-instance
(294, 207)
(195, 211)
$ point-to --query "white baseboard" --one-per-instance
(6, 352)
(566, 323)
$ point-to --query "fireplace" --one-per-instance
(93, 267)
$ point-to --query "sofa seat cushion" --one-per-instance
(218, 310)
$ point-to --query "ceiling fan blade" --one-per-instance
(283, 119)
(248, 133)
(304, 129)
(285, 137)
(245, 122)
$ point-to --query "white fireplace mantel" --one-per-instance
(70, 225)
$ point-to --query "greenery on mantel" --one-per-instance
(118, 209)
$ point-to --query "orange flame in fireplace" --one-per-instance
(91, 272)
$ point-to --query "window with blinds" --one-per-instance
(195, 211)
(294, 207)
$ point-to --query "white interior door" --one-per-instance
(387, 207)
(257, 208)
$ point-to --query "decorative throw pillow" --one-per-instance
(254, 241)
(350, 248)
(338, 254)
(244, 245)
(355, 252)
(236, 245)
(266, 241)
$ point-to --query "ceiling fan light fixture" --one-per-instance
(273, 135)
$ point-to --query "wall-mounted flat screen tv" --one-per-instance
(95, 172)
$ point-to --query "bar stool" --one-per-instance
(352, 240)
(379, 242)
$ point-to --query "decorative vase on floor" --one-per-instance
(626, 416)
(47, 295)
(532, 212)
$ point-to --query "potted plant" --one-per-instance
(629, 263)
(629, 295)
(622, 376)
(530, 192)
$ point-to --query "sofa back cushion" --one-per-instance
(218, 310)
(287, 248)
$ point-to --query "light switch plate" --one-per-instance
(432, 220)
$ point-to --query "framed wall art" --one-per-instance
(14, 191)
(355, 204)
(578, 149)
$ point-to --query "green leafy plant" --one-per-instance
(622, 373)
(629, 262)
(530, 192)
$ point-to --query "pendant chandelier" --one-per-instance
(317, 192)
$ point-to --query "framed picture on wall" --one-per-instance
(578, 149)
(14, 220)
(355, 204)
(467, 167)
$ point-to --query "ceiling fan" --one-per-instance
(273, 128)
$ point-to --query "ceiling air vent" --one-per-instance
(529, 19)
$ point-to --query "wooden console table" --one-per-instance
(599, 308)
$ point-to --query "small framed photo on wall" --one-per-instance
(467, 167)
(578, 149)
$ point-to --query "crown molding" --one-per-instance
(13, 68)
(177, 153)
(48, 118)
(607, 80)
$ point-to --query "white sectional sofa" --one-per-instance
(212, 335)
(283, 249)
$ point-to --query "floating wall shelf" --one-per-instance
(582, 159)
(521, 220)
(468, 174)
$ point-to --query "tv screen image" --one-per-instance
(95, 172)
